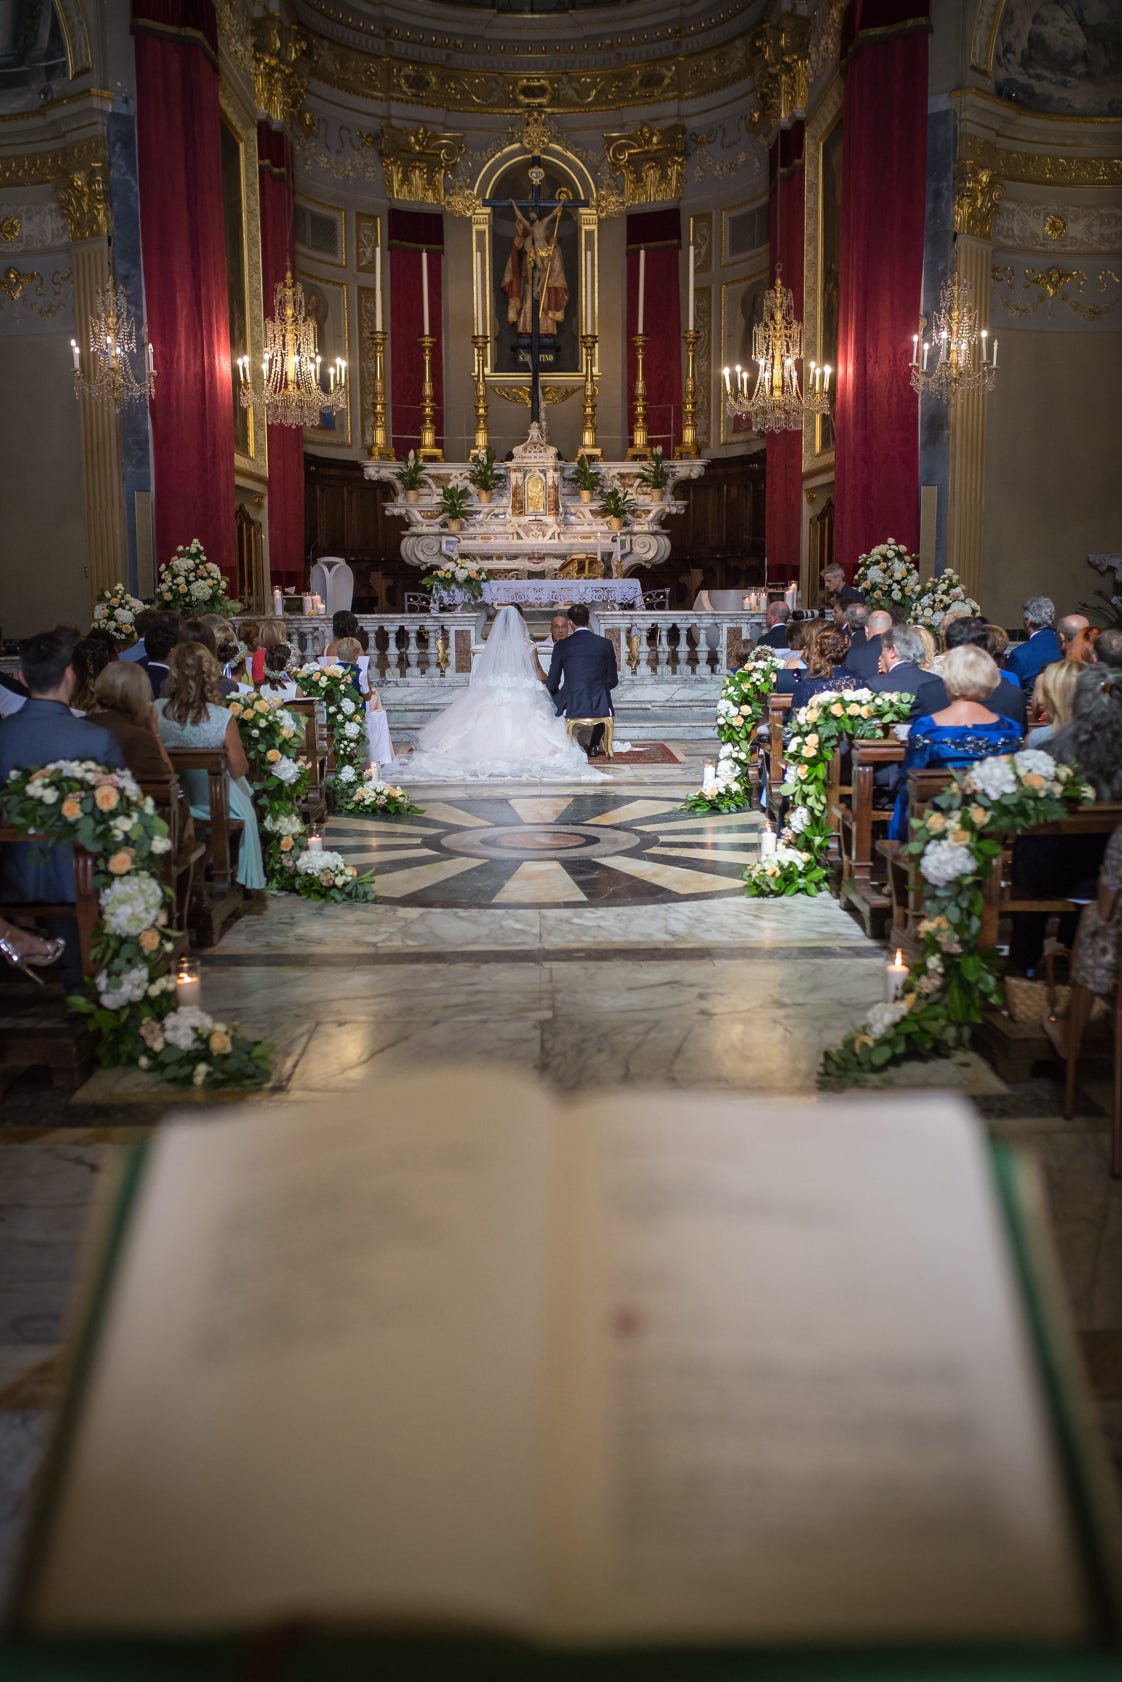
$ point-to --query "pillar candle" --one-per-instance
(315, 844)
(378, 287)
(588, 315)
(895, 975)
(690, 323)
(76, 354)
(425, 292)
(278, 604)
(642, 285)
(767, 842)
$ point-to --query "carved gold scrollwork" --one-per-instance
(415, 162)
(550, 393)
(10, 227)
(83, 198)
(460, 200)
(651, 160)
(14, 282)
(1044, 169)
(978, 193)
(1052, 286)
(536, 132)
(282, 60)
(779, 54)
(1055, 226)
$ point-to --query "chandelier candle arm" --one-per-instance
(112, 341)
(963, 361)
(639, 450)
(777, 404)
(291, 392)
(380, 447)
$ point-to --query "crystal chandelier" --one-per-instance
(112, 332)
(963, 359)
(777, 404)
(291, 392)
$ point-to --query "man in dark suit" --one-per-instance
(775, 619)
(1008, 700)
(863, 659)
(901, 673)
(586, 664)
(840, 593)
(159, 640)
(1026, 660)
(42, 731)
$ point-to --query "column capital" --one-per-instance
(978, 192)
(83, 198)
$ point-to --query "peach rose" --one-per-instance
(106, 799)
(272, 756)
(72, 808)
(1035, 780)
(980, 816)
(218, 1044)
(286, 843)
(961, 837)
(936, 823)
(149, 940)
(119, 864)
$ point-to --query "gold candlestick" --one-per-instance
(639, 450)
(688, 446)
(588, 444)
(428, 450)
(481, 341)
(380, 447)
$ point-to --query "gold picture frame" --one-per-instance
(741, 308)
(821, 225)
(328, 302)
(242, 218)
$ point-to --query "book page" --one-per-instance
(319, 1386)
(800, 1399)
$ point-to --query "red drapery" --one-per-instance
(286, 443)
(411, 232)
(659, 232)
(884, 162)
(184, 250)
(783, 500)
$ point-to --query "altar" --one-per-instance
(547, 592)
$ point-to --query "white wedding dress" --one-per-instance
(504, 729)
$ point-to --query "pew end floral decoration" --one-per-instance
(130, 999)
(814, 734)
(888, 578)
(325, 875)
(957, 843)
(192, 585)
(334, 687)
(115, 611)
(742, 705)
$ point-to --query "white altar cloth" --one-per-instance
(547, 592)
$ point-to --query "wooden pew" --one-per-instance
(216, 898)
(779, 709)
(34, 1027)
(862, 886)
(185, 858)
(316, 748)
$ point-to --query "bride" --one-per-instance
(504, 727)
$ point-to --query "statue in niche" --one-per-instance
(534, 277)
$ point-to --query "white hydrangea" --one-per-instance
(352, 730)
(130, 905)
(348, 707)
(114, 991)
(284, 823)
(347, 774)
(285, 770)
(885, 1016)
(314, 864)
(1031, 761)
(995, 777)
(184, 1024)
(798, 819)
(944, 861)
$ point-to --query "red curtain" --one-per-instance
(884, 163)
(411, 232)
(286, 443)
(783, 501)
(184, 252)
(659, 232)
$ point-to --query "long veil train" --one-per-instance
(504, 728)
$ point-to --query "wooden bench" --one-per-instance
(317, 747)
(216, 897)
(185, 857)
(778, 712)
(34, 1027)
(862, 886)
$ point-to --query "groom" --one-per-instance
(587, 665)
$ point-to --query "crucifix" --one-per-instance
(538, 261)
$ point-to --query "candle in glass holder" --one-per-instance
(372, 771)
(187, 983)
(895, 975)
(708, 777)
(767, 842)
(307, 600)
(315, 844)
(278, 604)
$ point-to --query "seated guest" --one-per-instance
(42, 731)
(1069, 628)
(863, 659)
(380, 748)
(198, 630)
(1096, 955)
(123, 704)
(270, 633)
(1108, 648)
(1082, 650)
(91, 655)
(1052, 700)
(931, 648)
(825, 663)
(1008, 698)
(857, 623)
(776, 615)
(159, 640)
(141, 625)
(1027, 659)
(277, 683)
(793, 663)
(901, 650)
(963, 731)
(1055, 866)
(997, 643)
(189, 716)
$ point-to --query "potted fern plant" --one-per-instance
(615, 505)
(585, 477)
(411, 476)
(654, 475)
(454, 505)
(484, 473)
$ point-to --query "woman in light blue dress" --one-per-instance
(189, 716)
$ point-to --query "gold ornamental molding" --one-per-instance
(1041, 169)
(521, 393)
(282, 59)
(780, 60)
(978, 193)
(83, 198)
(34, 169)
(651, 160)
(10, 227)
(415, 162)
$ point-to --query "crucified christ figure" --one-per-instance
(534, 277)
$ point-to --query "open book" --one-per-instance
(644, 1368)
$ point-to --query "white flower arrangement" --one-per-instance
(189, 579)
(131, 905)
(888, 578)
(287, 770)
(115, 611)
(940, 594)
(944, 860)
(116, 991)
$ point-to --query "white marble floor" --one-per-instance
(663, 977)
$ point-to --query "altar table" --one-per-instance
(547, 592)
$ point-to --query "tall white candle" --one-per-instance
(642, 285)
(75, 353)
(278, 604)
(378, 288)
(895, 975)
(425, 293)
(691, 291)
(588, 315)
(479, 327)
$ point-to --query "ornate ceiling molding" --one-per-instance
(415, 162)
(651, 160)
(33, 169)
(1042, 169)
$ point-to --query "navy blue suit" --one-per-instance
(41, 732)
(863, 657)
(157, 675)
(775, 638)
(1026, 660)
(586, 664)
(905, 678)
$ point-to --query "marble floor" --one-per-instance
(593, 935)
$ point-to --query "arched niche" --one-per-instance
(75, 35)
(506, 176)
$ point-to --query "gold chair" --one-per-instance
(575, 724)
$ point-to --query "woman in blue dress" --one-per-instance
(962, 732)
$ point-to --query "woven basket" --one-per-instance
(1028, 1001)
